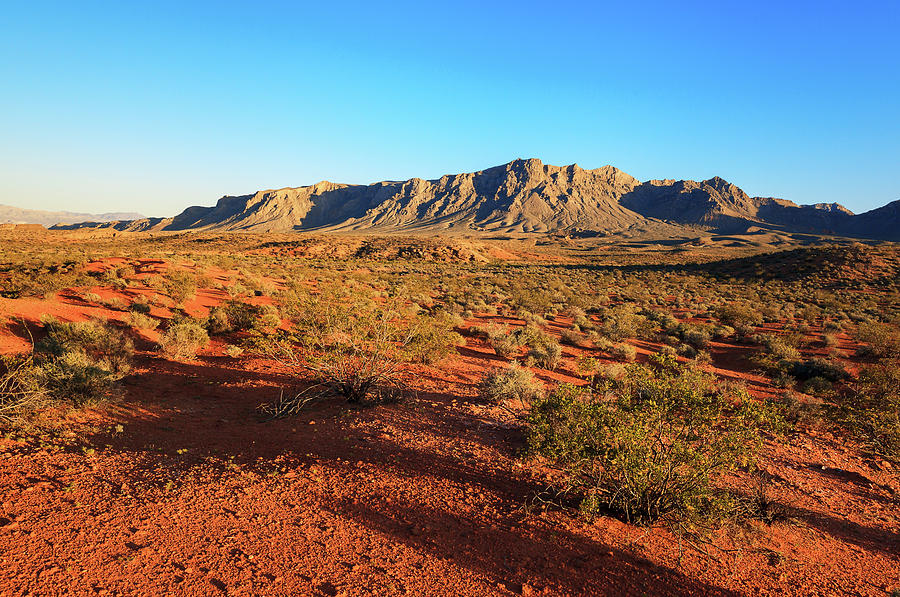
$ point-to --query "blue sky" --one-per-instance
(151, 107)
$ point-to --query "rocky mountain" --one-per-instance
(18, 215)
(525, 196)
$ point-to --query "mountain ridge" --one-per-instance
(522, 196)
(19, 215)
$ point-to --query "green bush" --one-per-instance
(881, 340)
(872, 411)
(504, 343)
(510, 383)
(233, 316)
(183, 340)
(431, 339)
(622, 322)
(181, 285)
(79, 362)
(624, 352)
(546, 356)
(652, 445)
(738, 315)
(352, 345)
(105, 346)
(76, 378)
(141, 321)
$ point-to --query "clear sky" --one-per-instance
(154, 106)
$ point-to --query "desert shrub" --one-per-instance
(738, 314)
(237, 290)
(21, 388)
(92, 297)
(696, 337)
(431, 339)
(818, 367)
(575, 312)
(141, 321)
(587, 365)
(817, 386)
(546, 355)
(624, 352)
(506, 384)
(181, 285)
(76, 378)
(217, 321)
(532, 335)
(777, 348)
(667, 351)
(79, 362)
(881, 340)
(233, 351)
(22, 280)
(833, 326)
(722, 331)
(799, 409)
(782, 379)
(269, 316)
(704, 357)
(106, 346)
(623, 322)
(354, 347)
(872, 411)
(601, 342)
(232, 316)
(499, 338)
(651, 445)
(583, 323)
(115, 304)
(183, 340)
(572, 338)
(687, 351)
(759, 503)
(743, 330)
(140, 305)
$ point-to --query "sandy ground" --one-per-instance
(179, 488)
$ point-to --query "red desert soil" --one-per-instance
(179, 488)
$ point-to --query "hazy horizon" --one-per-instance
(155, 108)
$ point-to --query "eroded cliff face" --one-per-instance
(520, 197)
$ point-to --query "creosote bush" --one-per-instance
(510, 383)
(183, 340)
(653, 444)
(872, 410)
(880, 340)
(432, 339)
(353, 346)
(236, 316)
(141, 321)
(181, 285)
(79, 362)
(624, 352)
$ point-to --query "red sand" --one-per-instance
(194, 496)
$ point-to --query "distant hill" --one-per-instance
(525, 196)
(18, 215)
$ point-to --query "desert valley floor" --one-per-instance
(178, 482)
